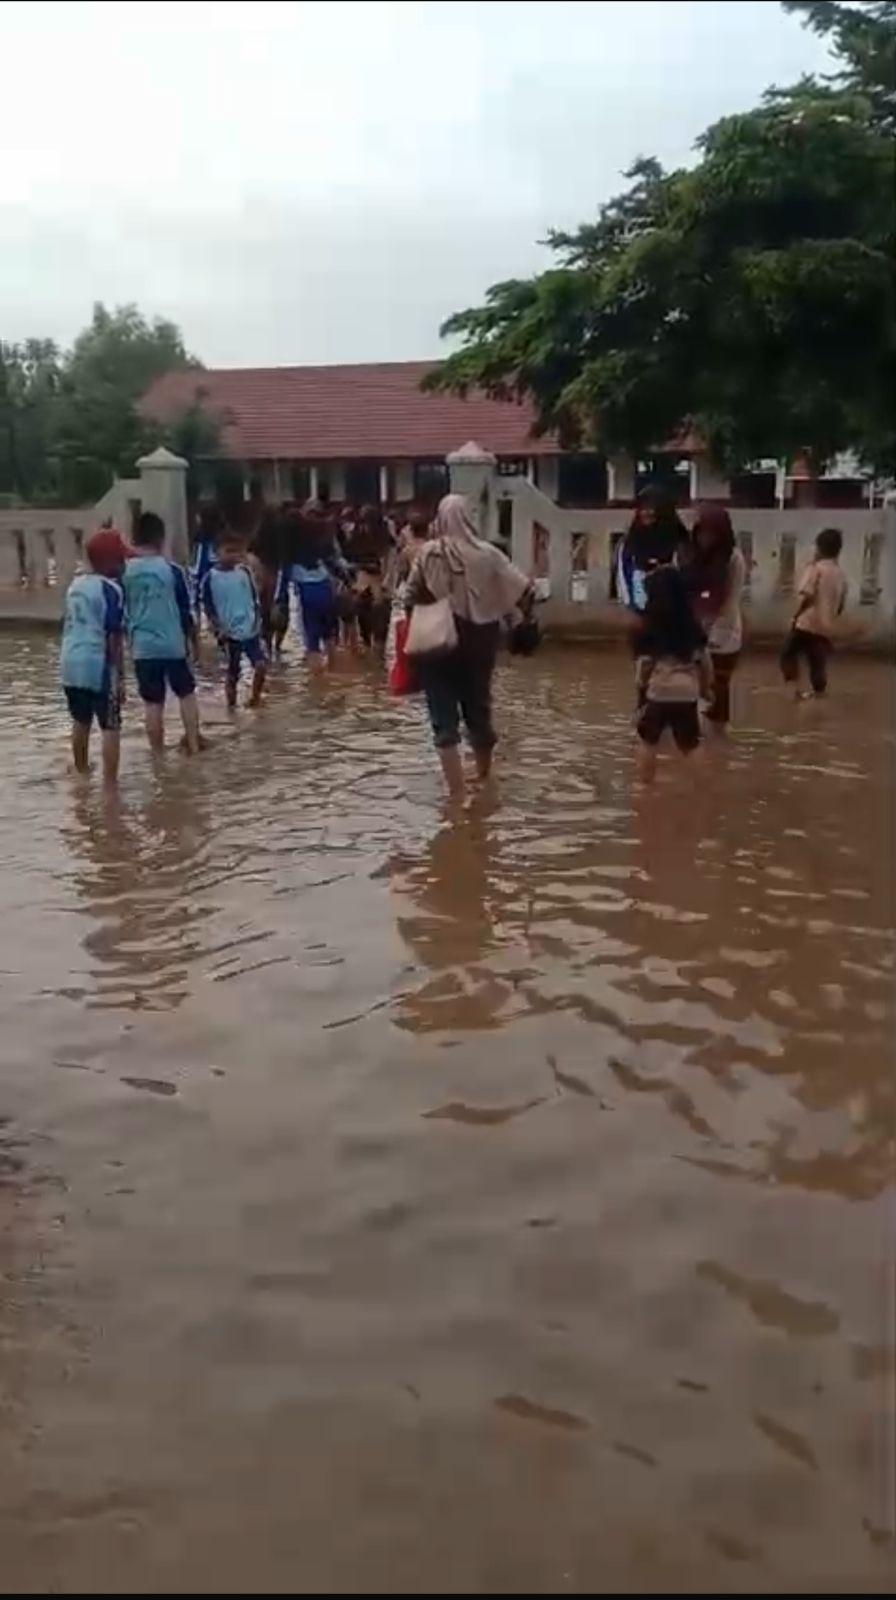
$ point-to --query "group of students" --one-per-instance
(345, 579)
(684, 593)
(683, 590)
(341, 563)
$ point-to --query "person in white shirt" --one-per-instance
(716, 573)
(822, 593)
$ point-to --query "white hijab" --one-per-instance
(475, 576)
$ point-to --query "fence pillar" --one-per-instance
(472, 472)
(163, 489)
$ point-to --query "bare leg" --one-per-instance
(80, 746)
(258, 681)
(154, 717)
(189, 716)
(452, 769)
(316, 660)
(483, 759)
(646, 762)
(111, 755)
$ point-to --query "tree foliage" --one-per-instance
(69, 421)
(29, 385)
(750, 296)
(863, 38)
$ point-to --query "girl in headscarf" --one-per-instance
(715, 573)
(483, 587)
(655, 535)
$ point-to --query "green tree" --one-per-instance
(29, 385)
(99, 432)
(864, 39)
(750, 296)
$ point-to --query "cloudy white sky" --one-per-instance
(326, 182)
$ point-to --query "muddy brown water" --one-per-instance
(393, 1200)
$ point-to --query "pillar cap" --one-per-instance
(473, 454)
(163, 459)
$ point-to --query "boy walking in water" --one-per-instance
(162, 633)
(822, 596)
(91, 654)
(231, 603)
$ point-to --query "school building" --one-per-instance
(372, 435)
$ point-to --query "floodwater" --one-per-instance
(392, 1200)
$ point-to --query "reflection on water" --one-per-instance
(398, 1199)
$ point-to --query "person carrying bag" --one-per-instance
(459, 591)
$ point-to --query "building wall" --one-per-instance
(704, 482)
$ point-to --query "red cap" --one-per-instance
(107, 552)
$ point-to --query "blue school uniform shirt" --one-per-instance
(158, 608)
(230, 599)
(94, 610)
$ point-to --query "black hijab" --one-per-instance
(655, 543)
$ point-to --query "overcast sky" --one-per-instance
(327, 182)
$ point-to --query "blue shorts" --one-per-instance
(320, 619)
(252, 649)
(153, 677)
(85, 704)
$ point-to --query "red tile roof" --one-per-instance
(375, 411)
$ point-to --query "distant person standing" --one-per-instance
(367, 549)
(654, 538)
(208, 526)
(231, 603)
(821, 591)
(401, 558)
(90, 660)
(162, 633)
(715, 573)
(264, 558)
(483, 587)
(316, 567)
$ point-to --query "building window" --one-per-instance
(362, 483)
(672, 473)
(754, 489)
(582, 480)
(841, 494)
(430, 482)
(299, 482)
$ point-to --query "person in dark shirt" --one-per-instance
(367, 549)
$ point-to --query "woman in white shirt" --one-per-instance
(715, 574)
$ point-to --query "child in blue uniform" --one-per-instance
(162, 633)
(90, 658)
(230, 601)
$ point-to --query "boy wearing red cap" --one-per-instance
(91, 654)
